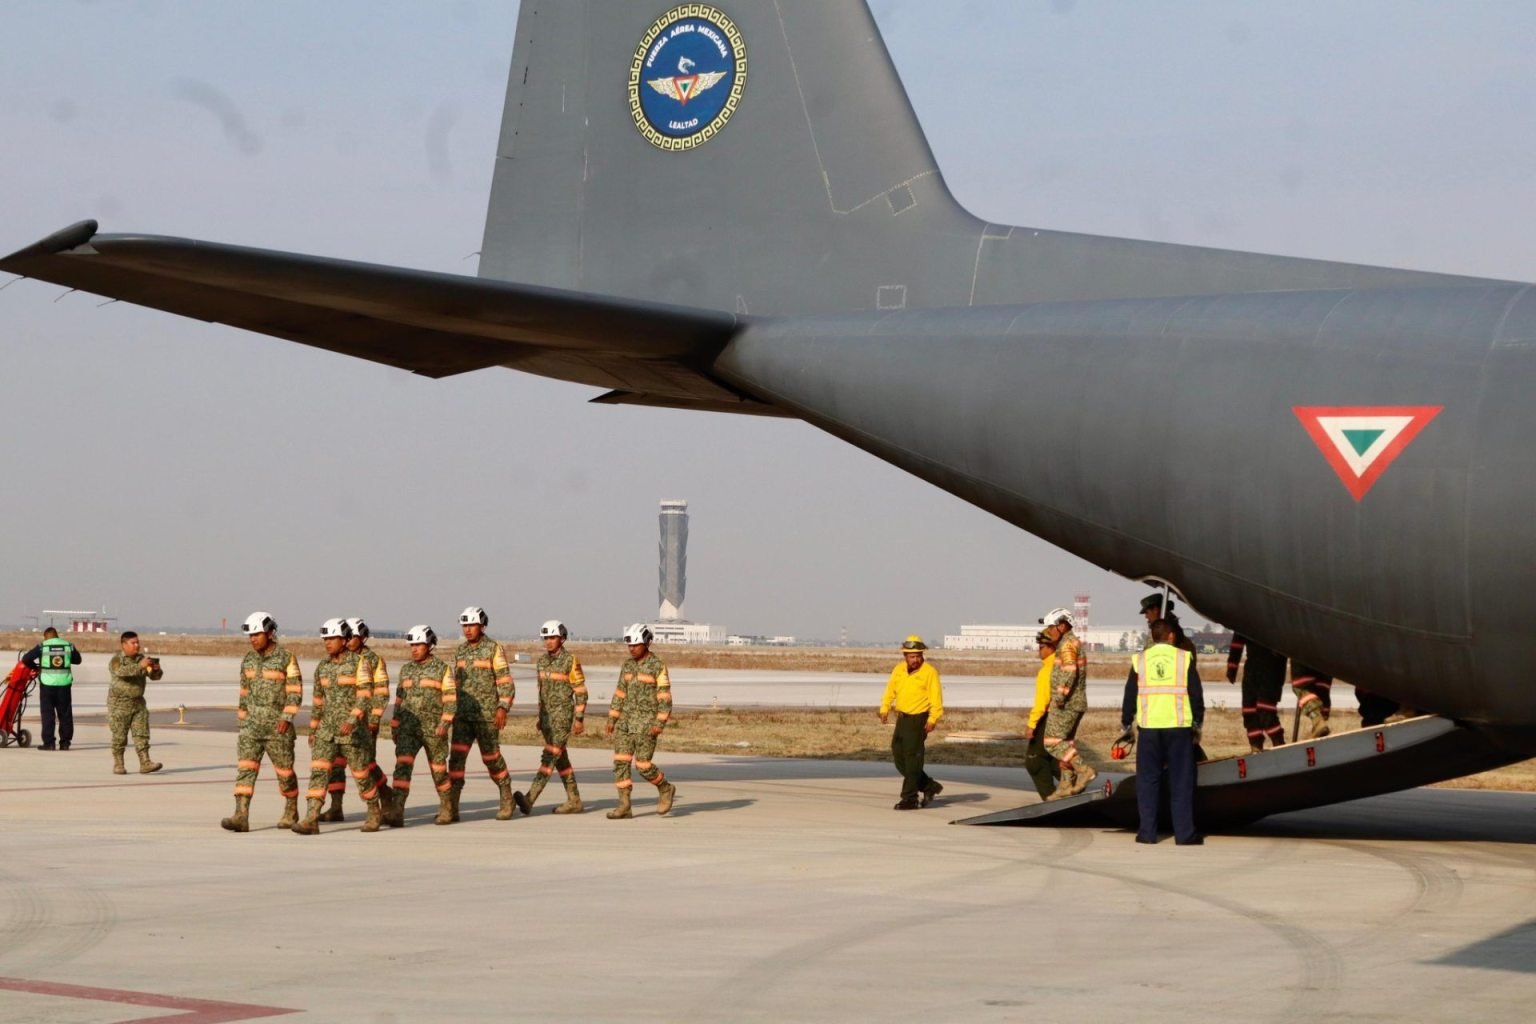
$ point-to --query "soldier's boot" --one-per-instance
(572, 803)
(145, 764)
(1317, 725)
(453, 805)
(117, 763)
(333, 812)
(240, 821)
(444, 809)
(665, 794)
(1085, 775)
(290, 816)
(1064, 787)
(508, 800)
(525, 803)
(311, 824)
(622, 811)
(394, 808)
(375, 816)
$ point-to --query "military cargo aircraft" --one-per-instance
(805, 259)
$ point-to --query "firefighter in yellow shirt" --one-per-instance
(1043, 769)
(915, 694)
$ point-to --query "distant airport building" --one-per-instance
(738, 640)
(687, 633)
(674, 560)
(81, 622)
(1022, 638)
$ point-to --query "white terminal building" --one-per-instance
(1022, 638)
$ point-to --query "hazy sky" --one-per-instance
(181, 472)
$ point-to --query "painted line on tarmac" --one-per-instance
(189, 1011)
(114, 785)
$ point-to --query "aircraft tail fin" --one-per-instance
(754, 156)
(761, 157)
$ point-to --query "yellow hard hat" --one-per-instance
(913, 643)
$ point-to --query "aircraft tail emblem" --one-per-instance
(1360, 442)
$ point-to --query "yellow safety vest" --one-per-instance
(1162, 688)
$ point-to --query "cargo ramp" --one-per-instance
(1234, 791)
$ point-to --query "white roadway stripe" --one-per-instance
(1390, 427)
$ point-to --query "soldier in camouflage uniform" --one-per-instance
(338, 727)
(562, 712)
(485, 692)
(1069, 700)
(126, 710)
(639, 711)
(271, 690)
(425, 703)
(373, 674)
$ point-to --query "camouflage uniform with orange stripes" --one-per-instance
(271, 690)
(484, 679)
(1069, 702)
(339, 730)
(372, 674)
(642, 702)
(426, 700)
(562, 704)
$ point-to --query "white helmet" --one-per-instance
(421, 635)
(359, 628)
(473, 615)
(1056, 615)
(638, 633)
(554, 627)
(332, 628)
(258, 622)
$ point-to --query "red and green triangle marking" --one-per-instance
(1360, 442)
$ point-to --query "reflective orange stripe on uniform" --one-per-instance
(481, 663)
(276, 675)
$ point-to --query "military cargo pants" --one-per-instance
(259, 738)
(555, 728)
(127, 713)
(908, 750)
(467, 733)
(326, 746)
(1261, 703)
(633, 745)
(410, 738)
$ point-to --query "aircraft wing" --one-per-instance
(432, 324)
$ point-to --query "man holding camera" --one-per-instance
(126, 709)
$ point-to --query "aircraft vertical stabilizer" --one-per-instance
(761, 157)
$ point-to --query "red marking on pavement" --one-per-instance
(188, 1011)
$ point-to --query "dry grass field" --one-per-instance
(770, 659)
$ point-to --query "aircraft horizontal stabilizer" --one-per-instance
(1311, 773)
(433, 324)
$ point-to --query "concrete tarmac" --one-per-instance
(775, 891)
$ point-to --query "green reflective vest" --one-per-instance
(1162, 688)
(56, 656)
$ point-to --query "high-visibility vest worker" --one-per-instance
(1162, 688)
(57, 657)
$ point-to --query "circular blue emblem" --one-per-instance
(687, 77)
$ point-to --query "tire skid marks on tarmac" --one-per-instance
(1319, 967)
(756, 982)
(45, 925)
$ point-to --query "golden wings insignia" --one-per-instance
(685, 87)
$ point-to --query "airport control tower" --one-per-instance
(674, 560)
